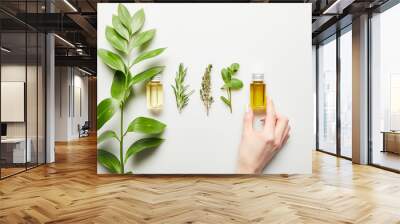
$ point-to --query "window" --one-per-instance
(327, 96)
(394, 101)
(385, 89)
(346, 93)
(333, 137)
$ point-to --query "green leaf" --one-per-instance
(109, 161)
(226, 101)
(105, 110)
(234, 67)
(116, 40)
(142, 144)
(118, 86)
(226, 76)
(106, 135)
(147, 74)
(234, 84)
(125, 17)
(148, 54)
(121, 30)
(146, 125)
(137, 21)
(111, 59)
(128, 93)
(143, 37)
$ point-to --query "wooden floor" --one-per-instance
(5, 172)
(69, 191)
(387, 159)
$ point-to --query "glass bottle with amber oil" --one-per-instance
(258, 97)
(154, 93)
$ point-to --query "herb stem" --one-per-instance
(229, 98)
(121, 143)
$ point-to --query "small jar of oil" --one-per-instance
(258, 97)
(154, 93)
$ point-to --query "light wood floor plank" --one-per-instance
(70, 191)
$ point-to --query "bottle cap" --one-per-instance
(258, 77)
(156, 78)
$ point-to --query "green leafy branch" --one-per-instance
(125, 35)
(230, 83)
(181, 91)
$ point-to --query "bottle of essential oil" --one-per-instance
(154, 93)
(258, 98)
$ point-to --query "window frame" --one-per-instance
(334, 37)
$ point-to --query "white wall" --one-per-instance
(16, 73)
(61, 103)
(67, 114)
(79, 117)
(12, 73)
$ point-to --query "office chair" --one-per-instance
(84, 130)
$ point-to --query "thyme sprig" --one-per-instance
(181, 91)
(205, 91)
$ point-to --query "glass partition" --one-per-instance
(22, 77)
(13, 95)
(31, 98)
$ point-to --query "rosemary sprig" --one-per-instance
(205, 91)
(180, 90)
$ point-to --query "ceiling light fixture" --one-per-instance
(84, 71)
(5, 50)
(64, 40)
(70, 5)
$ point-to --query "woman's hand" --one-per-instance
(257, 148)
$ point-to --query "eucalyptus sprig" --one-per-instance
(230, 83)
(125, 35)
(180, 89)
(205, 91)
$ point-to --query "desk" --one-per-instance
(391, 141)
(13, 150)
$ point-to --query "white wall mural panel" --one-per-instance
(274, 39)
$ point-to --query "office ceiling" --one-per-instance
(75, 21)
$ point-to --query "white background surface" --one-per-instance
(12, 100)
(270, 38)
